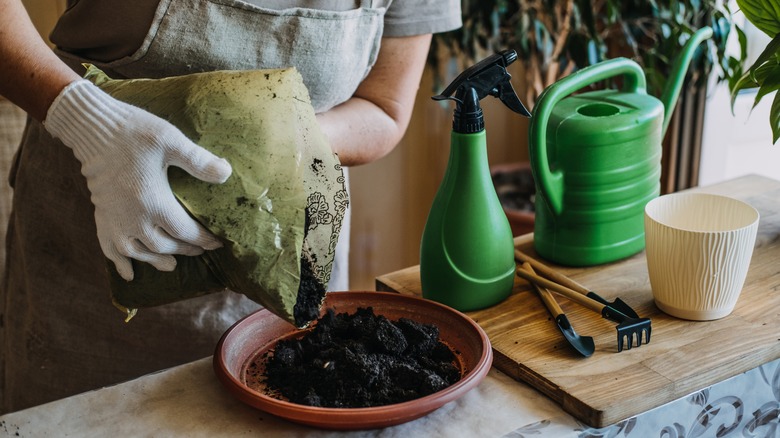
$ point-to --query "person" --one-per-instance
(89, 177)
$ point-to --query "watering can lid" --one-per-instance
(595, 106)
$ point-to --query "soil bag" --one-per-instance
(279, 214)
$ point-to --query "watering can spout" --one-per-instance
(677, 77)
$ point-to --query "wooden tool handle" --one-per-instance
(544, 294)
(523, 239)
(550, 273)
(571, 294)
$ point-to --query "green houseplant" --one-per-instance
(554, 38)
(764, 74)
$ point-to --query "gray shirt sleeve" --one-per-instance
(416, 17)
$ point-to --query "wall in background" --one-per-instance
(44, 14)
(739, 143)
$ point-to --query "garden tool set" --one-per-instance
(630, 328)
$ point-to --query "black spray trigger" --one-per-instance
(488, 77)
(507, 94)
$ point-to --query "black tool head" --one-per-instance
(617, 304)
(582, 344)
(632, 329)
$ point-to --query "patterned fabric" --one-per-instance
(746, 406)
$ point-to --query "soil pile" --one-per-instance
(360, 360)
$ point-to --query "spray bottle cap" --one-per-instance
(487, 77)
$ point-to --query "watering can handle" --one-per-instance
(549, 183)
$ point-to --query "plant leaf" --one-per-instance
(769, 84)
(742, 42)
(744, 82)
(760, 72)
(774, 118)
(764, 14)
(771, 51)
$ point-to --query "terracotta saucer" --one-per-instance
(258, 333)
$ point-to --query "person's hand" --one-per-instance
(125, 153)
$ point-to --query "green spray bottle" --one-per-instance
(467, 253)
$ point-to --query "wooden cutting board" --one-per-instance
(682, 357)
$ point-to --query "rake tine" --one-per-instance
(621, 337)
(629, 335)
(628, 327)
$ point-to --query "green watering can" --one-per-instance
(596, 160)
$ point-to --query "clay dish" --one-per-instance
(258, 333)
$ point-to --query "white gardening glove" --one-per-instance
(125, 153)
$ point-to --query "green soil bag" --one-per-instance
(279, 214)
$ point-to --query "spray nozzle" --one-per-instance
(485, 78)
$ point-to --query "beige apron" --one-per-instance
(59, 333)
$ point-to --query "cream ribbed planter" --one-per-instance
(698, 248)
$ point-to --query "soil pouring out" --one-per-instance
(356, 360)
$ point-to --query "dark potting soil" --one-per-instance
(311, 292)
(359, 360)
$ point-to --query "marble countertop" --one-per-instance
(188, 400)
